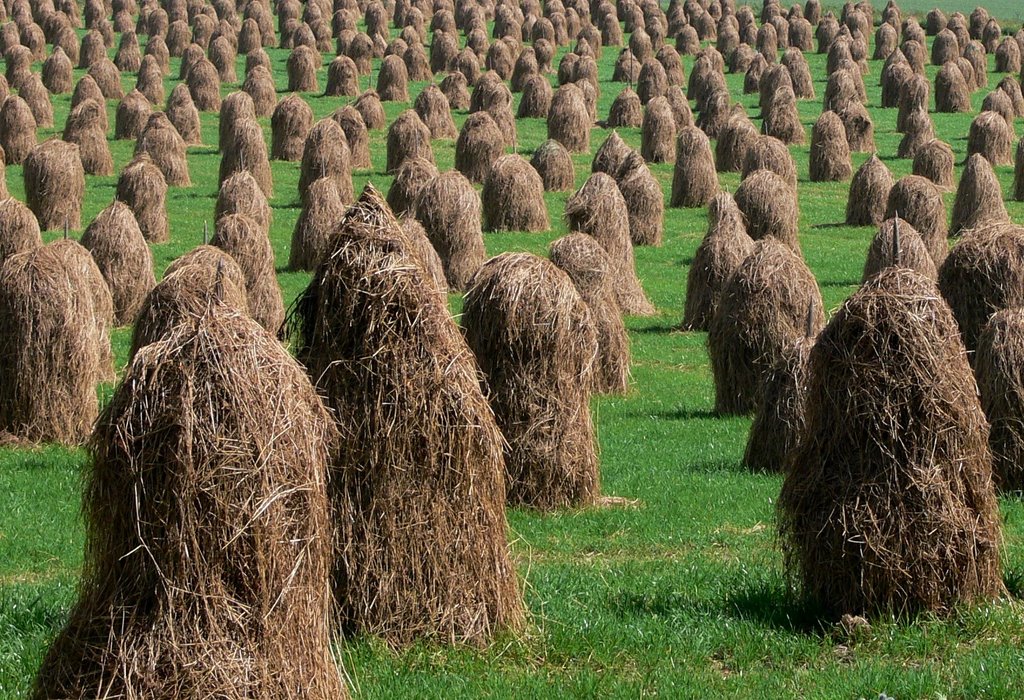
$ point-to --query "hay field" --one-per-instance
(680, 596)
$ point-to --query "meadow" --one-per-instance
(680, 595)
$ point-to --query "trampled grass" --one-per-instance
(681, 596)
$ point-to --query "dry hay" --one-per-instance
(983, 274)
(951, 91)
(694, 179)
(767, 304)
(432, 107)
(997, 367)
(217, 399)
(51, 358)
(992, 137)
(535, 341)
(393, 80)
(770, 207)
(627, 68)
(149, 81)
(120, 251)
(934, 160)
(246, 151)
(772, 80)
(244, 240)
(513, 196)
(799, 73)
(259, 84)
(896, 73)
(17, 130)
(754, 73)
(915, 97)
(131, 116)
(241, 194)
(568, 119)
(84, 129)
(289, 126)
(626, 110)
(918, 131)
(714, 113)
(830, 152)
(421, 248)
(1013, 90)
(779, 417)
(536, 99)
(449, 210)
(734, 142)
(869, 193)
(222, 56)
(999, 102)
(888, 505)
(478, 146)
(57, 72)
(611, 154)
(644, 199)
(588, 266)
(342, 78)
(945, 48)
(38, 100)
(55, 184)
(316, 222)
(356, 135)
(409, 180)
(843, 88)
(724, 246)
(974, 54)
(142, 187)
(979, 197)
(599, 210)
(190, 286)
(408, 137)
(919, 202)
(553, 163)
(19, 230)
(456, 88)
(1018, 173)
(781, 118)
(422, 553)
(652, 82)
(204, 85)
(525, 67)
(183, 114)
(301, 67)
(898, 244)
(768, 153)
(162, 143)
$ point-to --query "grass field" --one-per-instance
(682, 596)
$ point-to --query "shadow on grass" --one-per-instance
(657, 329)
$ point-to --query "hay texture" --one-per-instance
(289, 126)
(241, 194)
(888, 504)
(568, 120)
(513, 197)
(358, 137)
(246, 151)
(898, 244)
(934, 160)
(979, 197)
(768, 153)
(478, 146)
(19, 230)
(165, 147)
(315, 224)
(326, 154)
(55, 184)
(432, 106)
(84, 128)
(992, 137)
(830, 152)
(534, 339)
(770, 208)
(183, 114)
(117, 245)
(142, 187)
(919, 202)
(644, 199)
(658, 132)
(997, 365)
(17, 130)
(869, 193)
(410, 178)
(408, 137)
(694, 178)
(449, 209)
(553, 163)
(248, 244)
(419, 487)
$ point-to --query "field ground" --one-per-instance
(682, 596)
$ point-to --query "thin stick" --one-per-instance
(896, 241)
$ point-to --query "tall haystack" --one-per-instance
(259, 84)
(513, 196)
(131, 116)
(979, 197)
(768, 153)
(888, 505)
(694, 178)
(246, 151)
(919, 202)
(218, 399)
(17, 130)
(478, 146)
(609, 157)
(393, 80)
(84, 128)
(767, 305)
(535, 341)
(536, 99)
(57, 72)
(204, 85)
(918, 130)
(644, 199)
(55, 184)
(117, 245)
(569, 121)
(289, 126)
(781, 118)
(983, 274)
(830, 152)
(244, 240)
(951, 91)
(358, 137)
(50, 366)
(326, 154)
(869, 193)
(183, 114)
(241, 194)
(323, 209)
(161, 142)
(658, 132)
(898, 244)
(734, 142)
(626, 110)
(405, 188)
(553, 163)
(449, 210)
(302, 66)
(37, 98)
(934, 160)
(408, 137)
(419, 488)
(599, 210)
(142, 187)
(724, 247)
(992, 137)
(589, 268)
(770, 207)
(421, 249)
(997, 365)
(19, 230)
(432, 107)
(342, 78)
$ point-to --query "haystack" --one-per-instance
(19, 230)
(535, 341)
(244, 240)
(302, 65)
(216, 381)
(652, 81)
(421, 249)
(149, 81)
(513, 196)
(568, 119)
(830, 152)
(259, 84)
(84, 129)
(917, 131)
(161, 142)
(423, 553)
(768, 153)
(342, 78)
(204, 85)
(781, 118)
(409, 180)
(769, 303)
(658, 132)
(289, 126)
(183, 115)
(55, 184)
(919, 202)
(999, 102)
(432, 107)
(992, 137)
(408, 137)
(123, 257)
(734, 142)
(553, 163)
(626, 110)
(316, 222)
(37, 98)
(694, 179)
(898, 244)
(983, 274)
(997, 367)
(536, 99)
(241, 194)
(57, 72)
(724, 246)
(246, 151)
(599, 210)
(17, 130)
(142, 187)
(882, 513)
(644, 199)
(356, 134)
(393, 80)
(934, 160)
(610, 155)
(478, 146)
(869, 193)
(131, 116)
(449, 210)
(979, 197)
(589, 268)
(915, 97)
(108, 79)
(951, 91)
(770, 207)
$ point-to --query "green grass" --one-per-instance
(683, 596)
